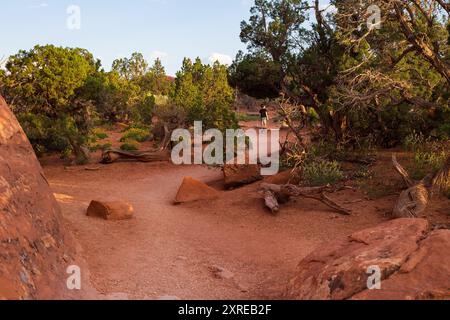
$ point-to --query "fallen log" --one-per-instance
(274, 194)
(114, 155)
(161, 154)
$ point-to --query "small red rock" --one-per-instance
(115, 210)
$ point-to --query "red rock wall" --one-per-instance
(35, 249)
(413, 261)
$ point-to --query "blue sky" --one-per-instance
(169, 29)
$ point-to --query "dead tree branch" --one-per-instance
(276, 194)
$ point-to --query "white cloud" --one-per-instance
(222, 58)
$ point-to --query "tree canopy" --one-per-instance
(59, 94)
(203, 91)
(375, 69)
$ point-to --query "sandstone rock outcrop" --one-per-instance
(111, 210)
(240, 175)
(35, 248)
(192, 190)
(411, 259)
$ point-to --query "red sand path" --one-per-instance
(168, 250)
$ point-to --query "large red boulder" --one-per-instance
(237, 175)
(35, 249)
(193, 190)
(409, 256)
(426, 274)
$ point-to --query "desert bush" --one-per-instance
(426, 162)
(364, 173)
(313, 116)
(39, 149)
(322, 172)
(65, 154)
(99, 146)
(161, 100)
(142, 112)
(99, 133)
(171, 114)
(136, 134)
(324, 148)
(414, 141)
(295, 156)
(130, 145)
(49, 135)
(106, 146)
(45, 83)
(443, 131)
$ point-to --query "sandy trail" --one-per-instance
(168, 250)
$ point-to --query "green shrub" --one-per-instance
(313, 116)
(204, 93)
(130, 145)
(161, 100)
(106, 146)
(414, 141)
(295, 157)
(99, 133)
(324, 148)
(136, 134)
(143, 110)
(443, 132)
(102, 147)
(54, 135)
(426, 162)
(322, 172)
(364, 173)
(65, 154)
(39, 149)
(44, 134)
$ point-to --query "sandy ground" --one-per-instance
(168, 250)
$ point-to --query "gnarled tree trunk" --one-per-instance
(414, 201)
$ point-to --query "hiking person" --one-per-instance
(264, 116)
